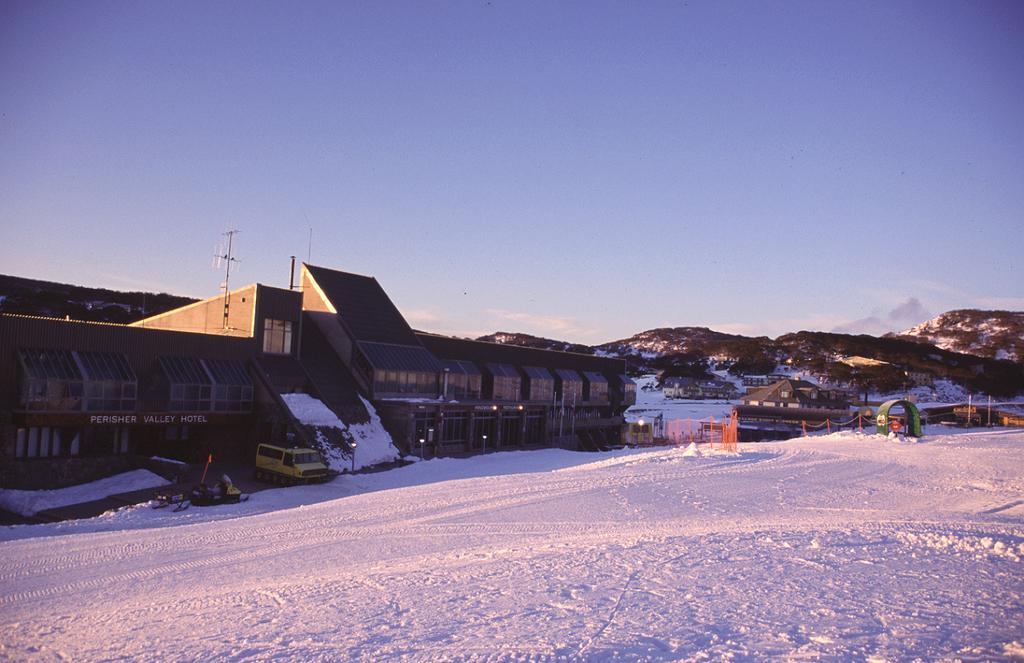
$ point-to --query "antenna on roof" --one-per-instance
(223, 258)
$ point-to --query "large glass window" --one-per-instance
(406, 383)
(456, 428)
(463, 380)
(232, 388)
(507, 385)
(542, 384)
(571, 387)
(204, 385)
(628, 390)
(597, 392)
(277, 336)
(69, 381)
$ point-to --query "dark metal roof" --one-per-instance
(226, 371)
(71, 365)
(568, 375)
(106, 366)
(503, 370)
(595, 377)
(184, 370)
(537, 373)
(392, 357)
(625, 379)
(482, 352)
(49, 364)
(363, 306)
(462, 367)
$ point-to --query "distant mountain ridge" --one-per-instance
(676, 340)
(59, 300)
(993, 334)
(903, 360)
(530, 341)
(977, 349)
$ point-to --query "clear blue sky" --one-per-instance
(577, 170)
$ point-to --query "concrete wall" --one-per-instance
(207, 316)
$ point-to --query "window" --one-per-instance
(455, 429)
(542, 384)
(270, 452)
(463, 380)
(232, 388)
(277, 336)
(572, 387)
(507, 384)
(189, 384)
(596, 388)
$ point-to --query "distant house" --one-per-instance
(793, 401)
(694, 388)
(756, 380)
(792, 393)
(919, 378)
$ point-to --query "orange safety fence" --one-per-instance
(704, 431)
(856, 423)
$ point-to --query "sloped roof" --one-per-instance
(799, 390)
(363, 306)
(400, 357)
(482, 352)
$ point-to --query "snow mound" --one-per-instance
(31, 502)
(373, 443)
(691, 450)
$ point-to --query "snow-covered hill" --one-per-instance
(994, 334)
(672, 340)
(844, 547)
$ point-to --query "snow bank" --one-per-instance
(31, 502)
(373, 444)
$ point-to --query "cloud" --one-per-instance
(778, 326)
(903, 315)
(909, 311)
(420, 316)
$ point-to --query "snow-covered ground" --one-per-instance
(31, 502)
(650, 402)
(841, 547)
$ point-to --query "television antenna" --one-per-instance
(222, 258)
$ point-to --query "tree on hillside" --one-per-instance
(683, 365)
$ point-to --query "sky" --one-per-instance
(577, 170)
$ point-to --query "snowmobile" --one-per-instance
(178, 500)
(223, 492)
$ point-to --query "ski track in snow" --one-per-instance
(835, 548)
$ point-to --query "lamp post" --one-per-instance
(430, 436)
(352, 445)
(485, 442)
(422, 442)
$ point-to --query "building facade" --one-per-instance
(695, 388)
(83, 400)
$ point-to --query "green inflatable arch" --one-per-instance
(912, 415)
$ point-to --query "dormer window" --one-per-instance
(277, 336)
(784, 394)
